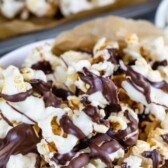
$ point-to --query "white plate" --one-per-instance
(162, 14)
(18, 56)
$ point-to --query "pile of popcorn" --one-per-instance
(47, 8)
(101, 109)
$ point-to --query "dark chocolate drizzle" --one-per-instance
(61, 93)
(163, 85)
(144, 84)
(62, 159)
(86, 51)
(38, 162)
(41, 86)
(114, 55)
(92, 112)
(165, 138)
(20, 139)
(17, 97)
(84, 100)
(98, 83)
(6, 120)
(45, 89)
(124, 165)
(155, 156)
(144, 117)
(96, 152)
(111, 108)
(68, 127)
(138, 80)
(51, 100)
(44, 66)
(100, 147)
(120, 136)
(159, 63)
(79, 161)
(21, 113)
(166, 164)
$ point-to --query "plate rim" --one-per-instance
(11, 55)
(160, 15)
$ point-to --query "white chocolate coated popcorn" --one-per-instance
(20, 161)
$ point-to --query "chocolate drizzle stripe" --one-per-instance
(147, 96)
(79, 161)
(45, 89)
(96, 152)
(163, 85)
(124, 165)
(121, 135)
(44, 66)
(159, 63)
(165, 138)
(69, 127)
(100, 145)
(4, 118)
(140, 81)
(38, 162)
(134, 85)
(155, 156)
(144, 83)
(159, 104)
(20, 139)
(97, 83)
(62, 159)
(21, 113)
(114, 55)
(92, 112)
(17, 97)
(64, 61)
(61, 93)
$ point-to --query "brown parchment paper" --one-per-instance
(86, 35)
(10, 28)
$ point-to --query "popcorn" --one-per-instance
(73, 57)
(13, 81)
(69, 7)
(133, 161)
(42, 8)
(164, 123)
(107, 108)
(118, 121)
(43, 54)
(73, 6)
(4, 128)
(156, 49)
(142, 67)
(133, 48)
(20, 161)
(12, 8)
(29, 74)
(156, 139)
(97, 99)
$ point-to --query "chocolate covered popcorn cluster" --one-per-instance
(101, 109)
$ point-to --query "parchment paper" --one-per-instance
(113, 28)
(10, 28)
